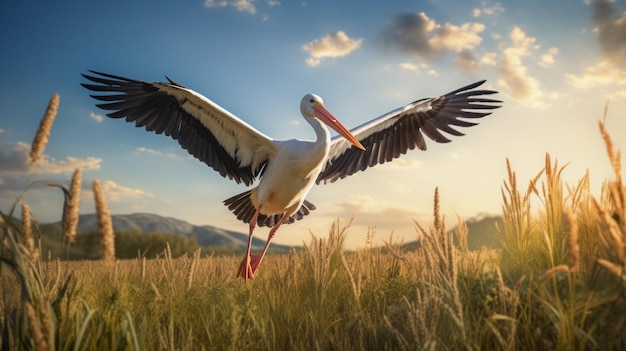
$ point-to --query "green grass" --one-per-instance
(558, 282)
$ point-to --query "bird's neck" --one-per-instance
(321, 132)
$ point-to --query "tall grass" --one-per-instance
(557, 283)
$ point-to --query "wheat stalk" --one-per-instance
(192, 268)
(437, 218)
(27, 231)
(617, 191)
(462, 233)
(105, 224)
(615, 269)
(614, 156)
(574, 248)
(71, 208)
(43, 132)
(35, 326)
(143, 268)
(46, 323)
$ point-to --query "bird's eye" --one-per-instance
(312, 101)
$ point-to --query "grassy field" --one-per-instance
(558, 282)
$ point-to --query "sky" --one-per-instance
(555, 64)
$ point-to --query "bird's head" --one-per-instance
(312, 106)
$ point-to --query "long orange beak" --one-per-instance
(325, 116)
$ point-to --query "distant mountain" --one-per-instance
(206, 235)
(482, 232)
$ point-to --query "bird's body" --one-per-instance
(287, 169)
(283, 189)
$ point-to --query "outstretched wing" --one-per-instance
(393, 134)
(207, 131)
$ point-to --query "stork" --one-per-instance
(287, 169)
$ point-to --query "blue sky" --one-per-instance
(556, 64)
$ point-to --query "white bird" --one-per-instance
(287, 168)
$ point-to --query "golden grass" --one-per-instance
(557, 283)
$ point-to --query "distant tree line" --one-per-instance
(128, 244)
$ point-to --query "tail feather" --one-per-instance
(242, 207)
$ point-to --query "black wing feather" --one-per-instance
(241, 205)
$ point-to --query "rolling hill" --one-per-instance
(482, 231)
(206, 235)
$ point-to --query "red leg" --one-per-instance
(256, 260)
(245, 269)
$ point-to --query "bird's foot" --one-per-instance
(245, 270)
(248, 266)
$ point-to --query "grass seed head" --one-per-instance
(105, 224)
(71, 208)
(574, 248)
(613, 268)
(35, 328)
(43, 132)
(27, 231)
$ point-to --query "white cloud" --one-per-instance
(489, 59)
(215, 3)
(96, 117)
(15, 170)
(14, 160)
(487, 10)
(547, 59)
(514, 76)
(601, 74)
(466, 60)
(245, 6)
(49, 165)
(409, 66)
(157, 153)
(336, 44)
(410, 33)
(610, 70)
(14, 157)
(149, 151)
(368, 211)
(403, 163)
(420, 36)
(118, 193)
(611, 31)
(457, 38)
(492, 10)
(239, 5)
